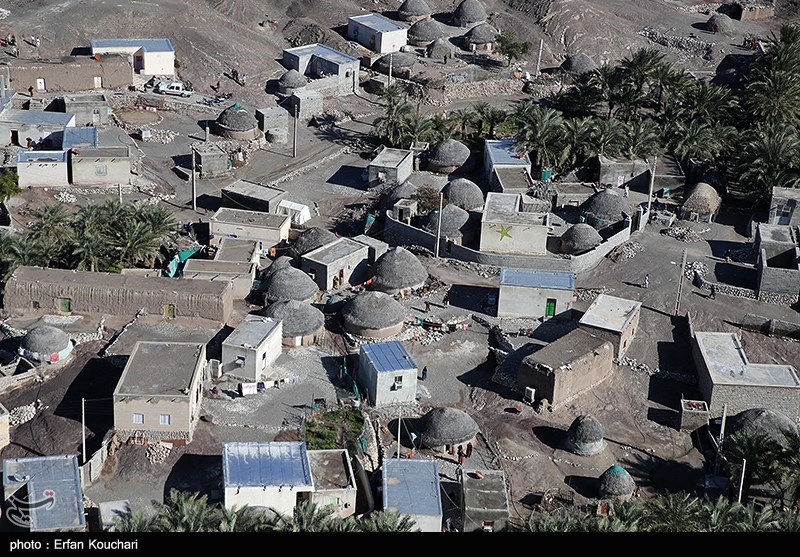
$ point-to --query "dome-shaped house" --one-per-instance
(760, 421)
(616, 484)
(702, 204)
(579, 238)
(311, 239)
(413, 10)
(445, 428)
(424, 32)
(604, 208)
(236, 122)
(289, 284)
(469, 12)
(406, 190)
(401, 62)
(302, 323)
(280, 263)
(578, 64)
(481, 38)
(45, 344)
(398, 270)
(456, 224)
(585, 436)
(290, 82)
(440, 48)
(721, 23)
(448, 156)
(373, 315)
(463, 193)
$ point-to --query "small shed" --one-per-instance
(252, 347)
(252, 196)
(580, 238)
(507, 229)
(388, 373)
(46, 343)
(274, 122)
(390, 167)
(376, 32)
(484, 501)
(42, 169)
(289, 284)
(275, 475)
(585, 436)
(481, 38)
(311, 239)
(90, 109)
(376, 247)
(340, 263)
(302, 323)
(424, 32)
(614, 319)
(237, 122)
(398, 270)
(212, 160)
(79, 137)
(299, 213)
(105, 166)
(241, 251)
(266, 228)
(306, 104)
(411, 487)
(413, 10)
(334, 481)
(373, 315)
(702, 204)
(535, 294)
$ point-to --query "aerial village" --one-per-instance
(381, 267)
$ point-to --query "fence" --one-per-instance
(92, 468)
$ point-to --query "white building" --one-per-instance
(613, 319)
(535, 294)
(504, 169)
(390, 167)
(150, 56)
(377, 33)
(334, 481)
(267, 228)
(507, 229)
(252, 347)
(388, 373)
(411, 488)
(42, 168)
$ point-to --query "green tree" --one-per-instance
(493, 118)
(135, 243)
(640, 67)
(768, 159)
(721, 515)
(9, 185)
(54, 224)
(396, 109)
(695, 140)
(676, 512)
(308, 517)
(136, 522)
(642, 139)
(578, 135)
(608, 136)
(387, 521)
(243, 519)
(759, 451)
(186, 512)
(462, 119)
(512, 48)
(540, 131)
(774, 98)
(788, 467)
(416, 128)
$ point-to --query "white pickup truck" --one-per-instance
(172, 88)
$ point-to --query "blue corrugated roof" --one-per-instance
(271, 464)
(377, 22)
(80, 137)
(42, 156)
(411, 486)
(322, 51)
(531, 278)
(501, 151)
(54, 477)
(149, 45)
(388, 356)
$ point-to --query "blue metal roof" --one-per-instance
(411, 486)
(531, 278)
(37, 117)
(149, 45)
(42, 156)
(47, 477)
(377, 22)
(79, 137)
(266, 464)
(501, 151)
(388, 356)
(322, 51)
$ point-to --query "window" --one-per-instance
(333, 501)
(488, 526)
(138, 419)
(100, 169)
(164, 419)
(398, 383)
(169, 311)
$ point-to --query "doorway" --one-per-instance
(40, 84)
(64, 305)
(550, 307)
(15, 137)
(98, 82)
(169, 311)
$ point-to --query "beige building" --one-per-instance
(613, 319)
(106, 166)
(72, 73)
(5, 435)
(240, 274)
(507, 229)
(334, 481)
(267, 228)
(535, 294)
(159, 393)
(149, 56)
(252, 347)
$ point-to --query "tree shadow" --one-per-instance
(553, 437)
(650, 471)
(585, 486)
(197, 473)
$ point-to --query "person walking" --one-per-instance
(713, 294)
(427, 307)
(646, 283)
(460, 454)
(424, 373)
(469, 450)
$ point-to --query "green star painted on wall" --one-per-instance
(505, 232)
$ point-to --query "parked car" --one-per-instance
(172, 88)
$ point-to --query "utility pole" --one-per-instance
(294, 138)
(399, 419)
(389, 81)
(721, 438)
(539, 58)
(680, 283)
(652, 182)
(741, 481)
(119, 188)
(83, 427)
(439, 225)
(194, 183)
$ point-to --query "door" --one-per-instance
(14, 137)
(98, 82)
(40, 84)
(64, 305)
(138, 63)
(169, 311)
(550, 307)
(95, 116)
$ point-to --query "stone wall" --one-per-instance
(590, 259)
(738, 292)
(740, 398)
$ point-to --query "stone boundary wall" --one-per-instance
(739, 292)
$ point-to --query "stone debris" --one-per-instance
(4, 13)
(625, 251)
(65, 197)
(707, 8)
(656, 372)
(682, 234)
(695, 267)
(486, 88)
(22, 414)
(747, 254)
(157, 453)
(485, 271)
(589, 294)
(160, 136)
(686, 44)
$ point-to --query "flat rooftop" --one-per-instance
(160, 369)
(322, 51)
(103, 153)
(786, 193)
(391, 158)
(249, 218)
(217, 266)
(266, 464)
(115, 281)
(780, 234)
(83, 137)
(377, 22)
(388, 356)
(501, 152)
(522, 218)
(85, 98)
(331, 469)
(610, 313)
(251, 332)
(532, 278)
(43, 475)
(36, 117)
(343, 247)
(254, 190)
(487, 493)
(563, 351)
(370, 241)
(513, 178)
(149, 45)
(42, 156)
(234, 249)
(411, 486)
(727, 363)
(502, 202)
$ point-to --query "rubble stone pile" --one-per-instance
(625, 251)
(687, 44)
(157, 453)
(695, 266)
(589, 294)
(485, 88)
(65, 197)
(22, 414)
(160, 136)
(656, 372)
(682, 234)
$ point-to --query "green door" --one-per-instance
(550, 308)
(169, 311)
(64, 305)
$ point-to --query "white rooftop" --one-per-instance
(610, 313)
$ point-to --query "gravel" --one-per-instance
(687, 44)
(157, 453)
(695, 266)
(65, 197)
(682, 234)
(22, 414)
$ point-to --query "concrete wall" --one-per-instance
(42, 174)
(241, 283)
(306, 106)
(776, 279)
(89, 113)
(5, 435)
(274, 122)
(267, 236)
(115, 72)
(518, 301)
(99, 171)
(282, 500)
(159, 63)
(256, 360)
(635, 173)
(379, 385)
(354, 269)
(391, 175)
(427, 523)
(342, 83)
(620, 341)
(236, 200)
(392, 41)
(525, 239)
(589, 260)
(345, 503)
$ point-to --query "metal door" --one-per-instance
(98, 82)
(550, 308)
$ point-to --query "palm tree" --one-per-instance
(695, 141)
(441, 128)
(416, 128)
(710, 103)
(761, 454)
(558, 520)
(578, 135)
(308, 517)
(607, 136)
(135, 243)
(639, 67)
(494, 117)
(642, 139)
(462, 119)
(774, 98)
(788, 464)
(770, 158)
(676, 512)
(541, 132)
(387, 521)
(395, 110)
(9, 185)
(242, 519)
(788, 521)
(480, 110)
(186, 512)
(135, 522)
(722, 516)
(607, 81)
(754, 519)
(54, 224)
